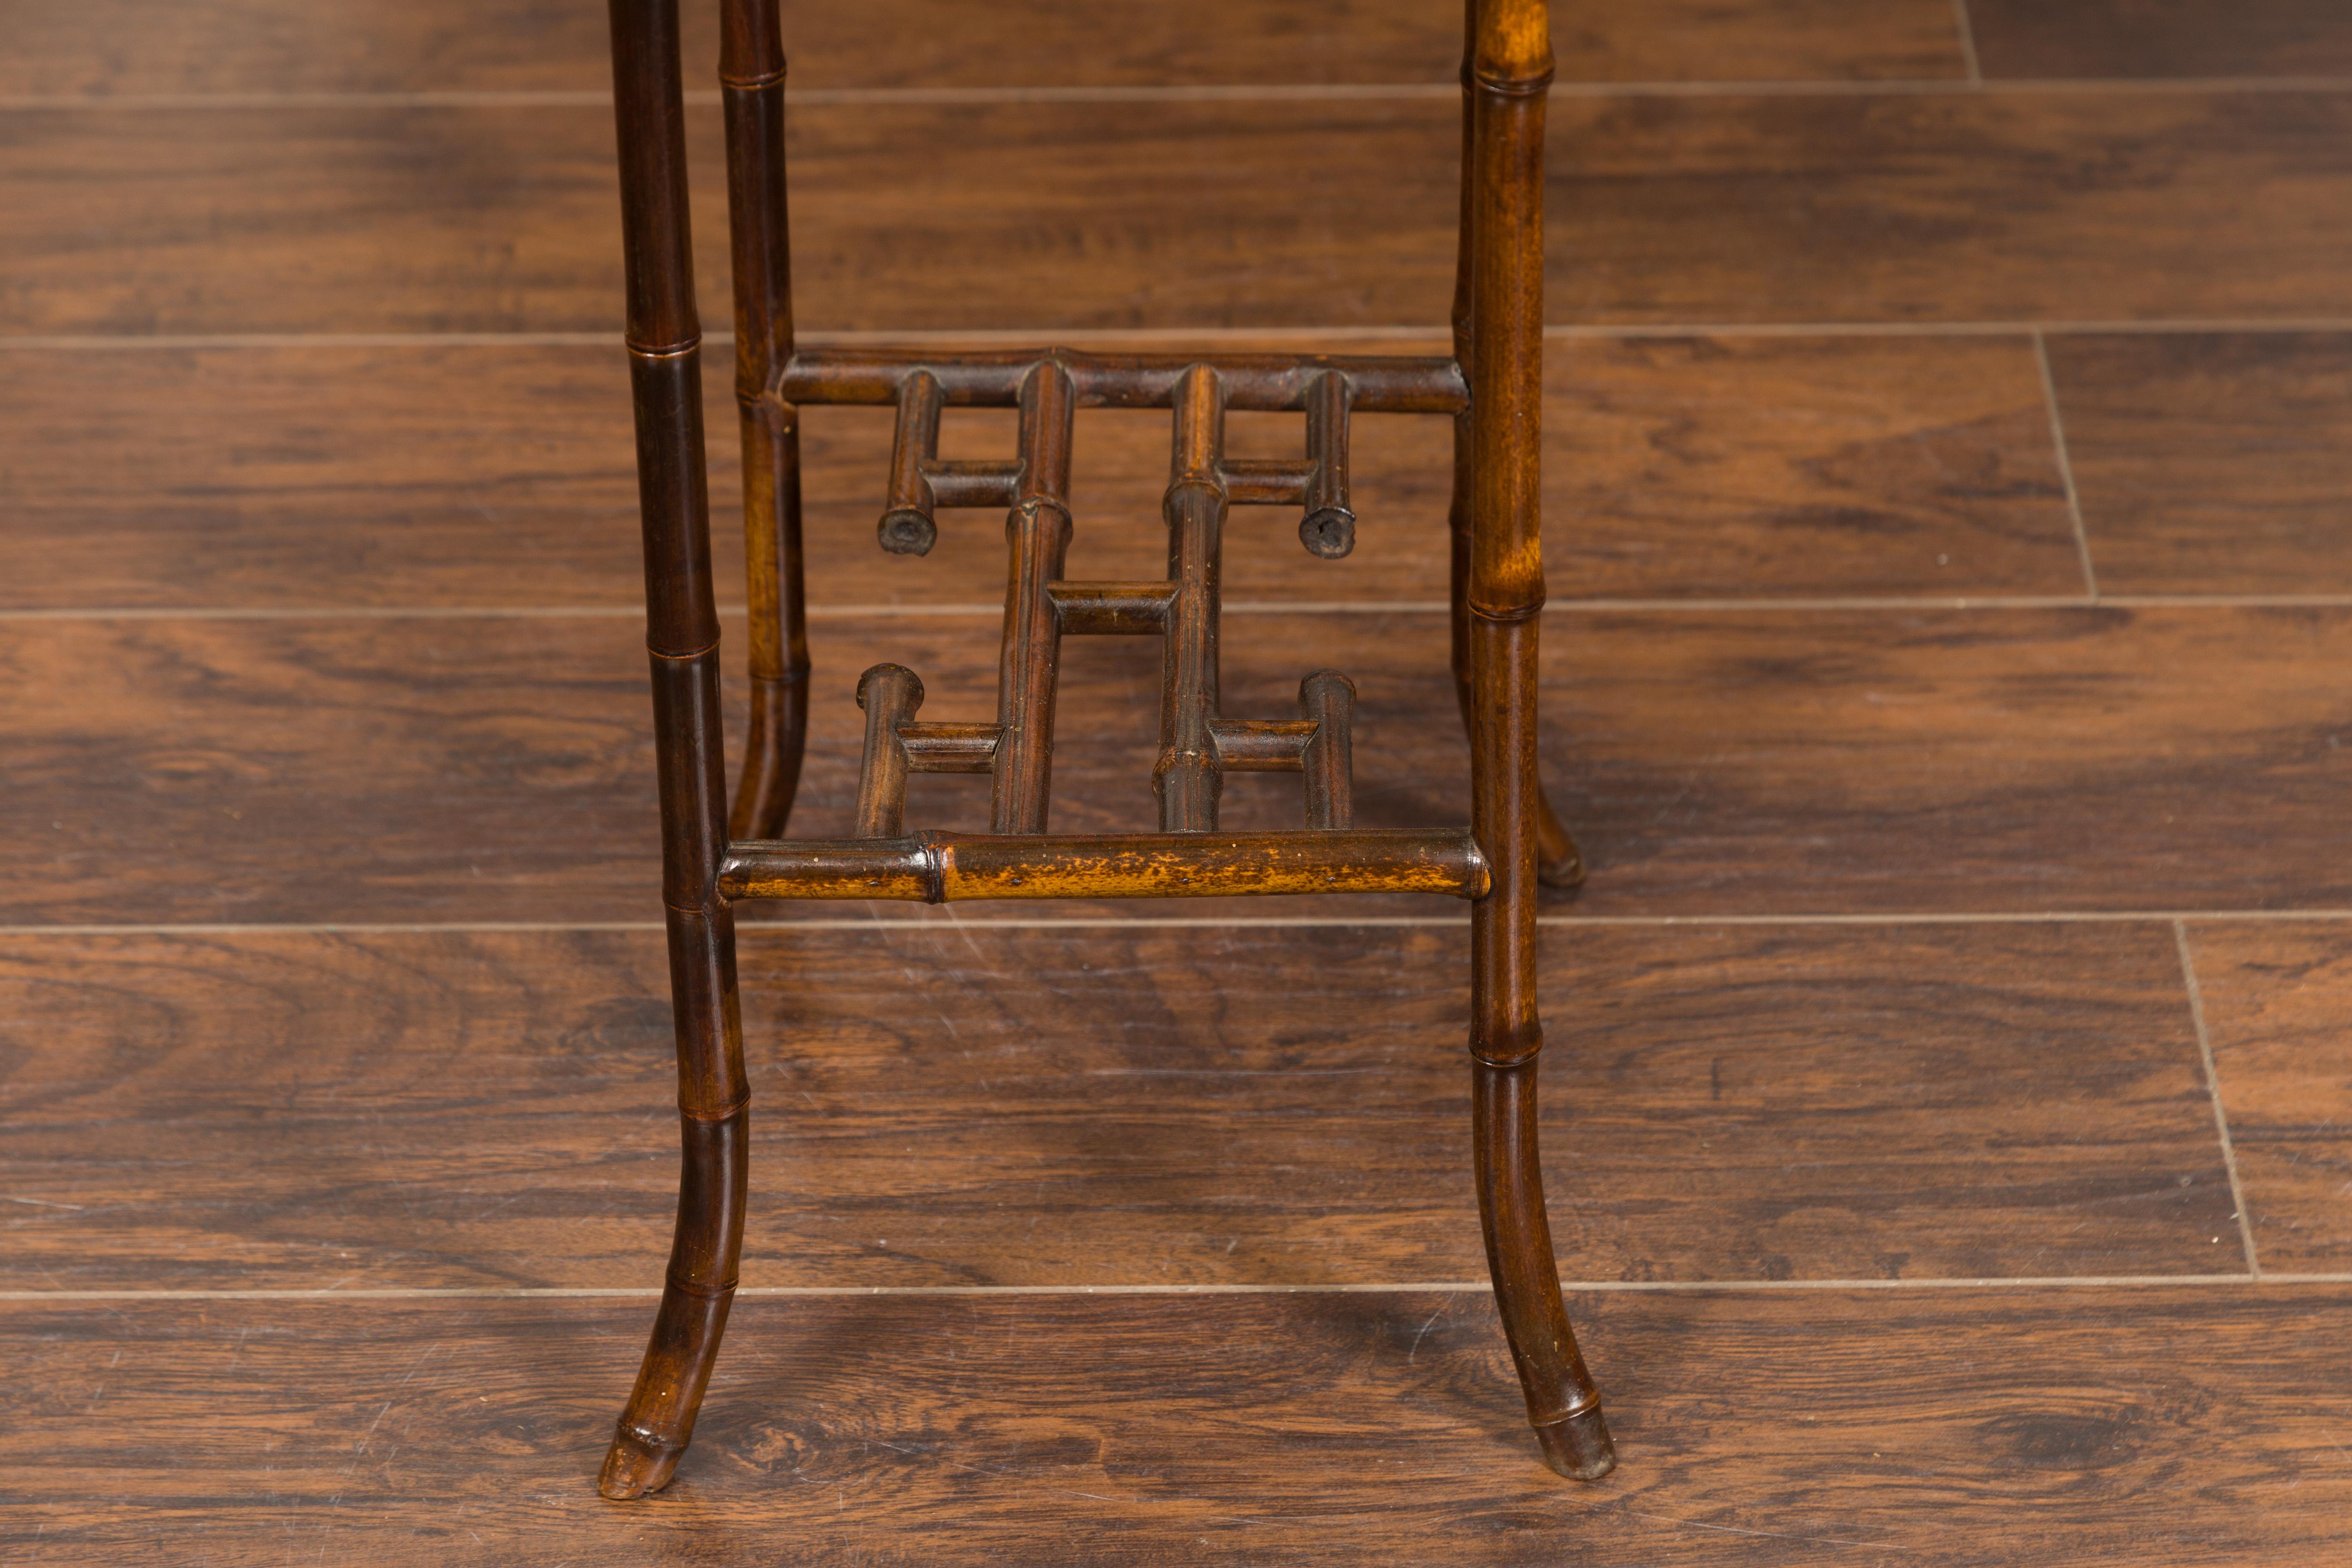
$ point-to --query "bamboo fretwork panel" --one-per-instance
(1198, 744)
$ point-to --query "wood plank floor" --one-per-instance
(2066, 204)
(1947, 674)
(2115, 1425)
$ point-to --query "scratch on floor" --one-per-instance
(1425, 1331)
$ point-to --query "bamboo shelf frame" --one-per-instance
(715, 855)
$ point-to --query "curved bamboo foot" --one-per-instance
(1564, 1406)
(1578, 1447)
(636, 1465)
(654, 1431)
(658, 1423)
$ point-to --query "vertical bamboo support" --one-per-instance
(682, 638)
(1188, 778)
(1037, 530)
(751, 78)
(891, 696)
(1329, 698)
(1559, 863)
(1328, 529)
(908, 527)
(1510, 70)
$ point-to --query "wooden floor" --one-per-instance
(1948, 671)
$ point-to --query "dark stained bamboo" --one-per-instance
(1559, 862)
(1112, 609)
(936, 867)
(1186, 778)
(1328, 529)
(1328, 699)
(958, 483)
(1257, 383)
(890, 694)
(908, 527)
(682, 637)
(1038, 530)
(752, 77)
(949, 748)
(1510, 69)
(1267, 481)
(1262, 746)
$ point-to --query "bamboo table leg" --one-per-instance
(682, 635)
(1510, 68)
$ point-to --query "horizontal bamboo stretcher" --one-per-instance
(936, 867)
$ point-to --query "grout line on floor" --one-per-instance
(1201, 922)
(2066, 461)
(1454, 1286)
(1968, 37)
(1437, 335)
(1972, 83)
(2214, 1087)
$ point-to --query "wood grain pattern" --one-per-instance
(2275, 1000)
(499, 476)
(2058, 205)
(2030, 205)
(2212, 463)
(1709, 466)
(1936, 1427)
(115, 46)
(422, 1110)
(504, 218)
(2162, 38)
(498, 768)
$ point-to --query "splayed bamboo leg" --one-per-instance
(682, 639)
(1510, 68)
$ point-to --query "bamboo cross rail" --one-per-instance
(715, 857)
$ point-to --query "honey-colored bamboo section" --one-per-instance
(1491, 387)
(938, 867)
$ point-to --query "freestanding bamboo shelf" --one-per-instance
(1491, 387)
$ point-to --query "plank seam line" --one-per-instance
(1969, 85)
(2065, 459)
(1241, 923)
(1462, 1286)
(2213, 1088)
(1565, 332)
(1858, 604)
